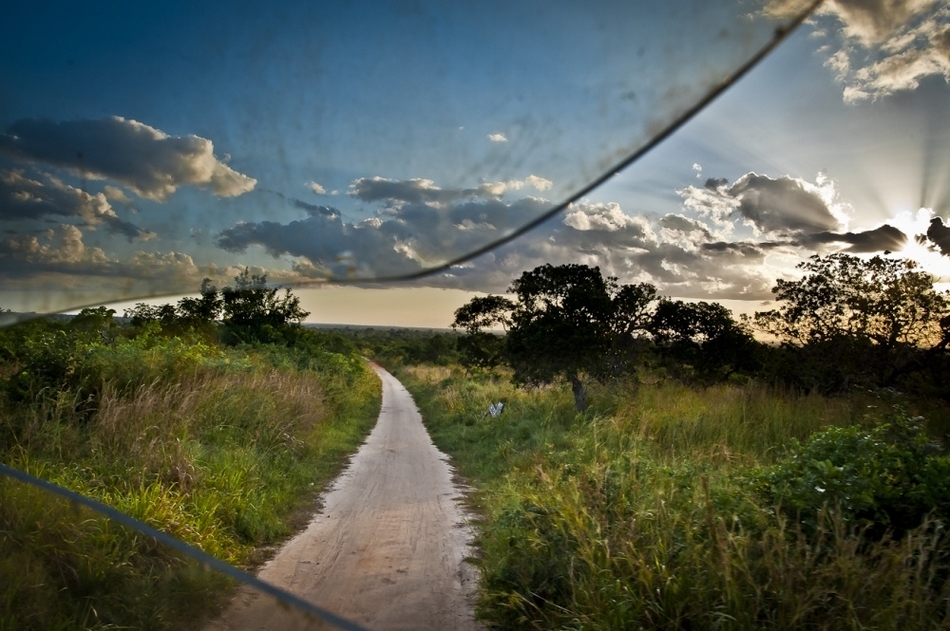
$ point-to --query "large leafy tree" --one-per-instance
(883, 315)
(703, 337)
(203, 310)
(568, 322)
(481, 348)
(254, 312)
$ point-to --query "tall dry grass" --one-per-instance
(642, 514)
(218, 448)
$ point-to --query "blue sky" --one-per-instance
(145, 148)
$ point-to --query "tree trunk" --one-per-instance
(580, 393)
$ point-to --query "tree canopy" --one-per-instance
(568, 322)
(884, 314)
(254, 312)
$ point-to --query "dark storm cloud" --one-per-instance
(144, 159)
(685, 225)
(884, 238)
(714, 183)
(311, 209)
(416, 190)
(316, 209)
(746, 249)
(773, 206)
(938, 236)
(788, 210)
(425, 191)
(415, 236)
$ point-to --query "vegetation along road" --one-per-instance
(388, 549)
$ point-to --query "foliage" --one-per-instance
(568, 322)
(887, 478)
(481, 349)
(254, 312)
(221, 447)
(396, 347)
(650, 513)
(704, 337)
(883, 313)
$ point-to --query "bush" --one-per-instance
(887, 478)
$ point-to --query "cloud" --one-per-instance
(52, 250)
(685, 226)
(116, 195)
(602, 217)
(884, 46)
(497, 138)
(26, 198)
(395, 193)
(772, 206)
(419, 232)
(415, 235)
(145, 160)
(316, 188)
(689, 254)
(685, 256)
(786, 210)
(937, 236)
(881, 239)
(539, 183)
(54, 269)
(782, 204)
(416, 190)
(302, 205)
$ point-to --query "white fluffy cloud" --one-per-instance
(147, 161)
(497, 137)
(788, 210)
(420, 224)
(884, 46)
(316, 188)
(683, 255)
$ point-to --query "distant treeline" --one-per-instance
(848, 323)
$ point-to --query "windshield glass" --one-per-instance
(143, 149)
(158, 150)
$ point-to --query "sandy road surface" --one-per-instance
(387, 549)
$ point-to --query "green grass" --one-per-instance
(645, 512)
(224, 449)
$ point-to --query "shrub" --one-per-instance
(886, 478)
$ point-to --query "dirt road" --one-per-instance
(387, 551)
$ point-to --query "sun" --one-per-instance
(913, 224)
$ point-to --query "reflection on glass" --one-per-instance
(147, 148)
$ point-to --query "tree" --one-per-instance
(96, 321)
(203, 310)
(882, 314)
(702, 336)
(569, 322)
(253, 312)
(482, 349)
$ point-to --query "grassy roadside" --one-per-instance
(222, 448)
(667, 507)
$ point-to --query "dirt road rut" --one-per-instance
(387, 550)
